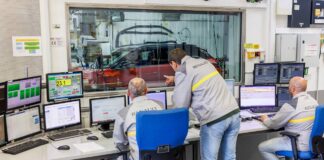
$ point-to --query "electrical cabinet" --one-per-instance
(286, 48)
(301, 14)
(308, 49)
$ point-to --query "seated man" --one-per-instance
(296, 116)
(125, 125)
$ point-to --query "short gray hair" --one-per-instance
(137, 86)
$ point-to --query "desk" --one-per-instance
(49, 151)
(247, 127)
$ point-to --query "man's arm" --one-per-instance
(182, 91)
(119, 134)
(281, 118)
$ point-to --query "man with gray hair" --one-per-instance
(295, 116)
(125, 124)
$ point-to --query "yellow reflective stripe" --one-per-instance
(195, 86)
(131, 133)
(301, 120)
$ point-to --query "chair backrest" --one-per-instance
(159, 128)
(318, 126)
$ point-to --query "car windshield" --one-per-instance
(117, 55)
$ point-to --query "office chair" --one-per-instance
(317, 130)
(161, 134)
(318, 146)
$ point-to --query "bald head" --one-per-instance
(137, 87)
(297, 85)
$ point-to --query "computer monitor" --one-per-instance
(61, 115)
(3, 98)
(230, 83)
(160, 96)
(265, 73)
(64, 85)
(257, 96)
(283, 96)
(23, 124)
(289, 70)
(105, 110)
(3, 140)
(23, 92)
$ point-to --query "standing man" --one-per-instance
(296, 116)
(199, 85)
(125, 125)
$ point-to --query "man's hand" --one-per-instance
(263, 118)
(169, 80)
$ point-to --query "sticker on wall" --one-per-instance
(26, 46)
(56, 42)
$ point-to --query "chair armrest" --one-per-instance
(293, 139)
(289, 134)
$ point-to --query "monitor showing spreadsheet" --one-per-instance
(23, 92)
(103, 110)
(62, 114)
(23, 124)
(257, 96)
(265, 73)
(289, 70)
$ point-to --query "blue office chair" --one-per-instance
(317, 130)
(161, 134)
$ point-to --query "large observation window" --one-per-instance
(112, 46)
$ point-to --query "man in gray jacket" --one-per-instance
(200, 86)
(125, 124)
(296, 116)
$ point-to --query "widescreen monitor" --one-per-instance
(265, 73)
(24, 123)
(23, 92)
(62, 114)
(289, 70)
(283, 96)
(65, 85)
(105, 110)
(257, 96)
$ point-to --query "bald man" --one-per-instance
(295, 116)
(125, 124)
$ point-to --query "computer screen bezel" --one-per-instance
(5, 95)
(157, 91)
(5, 129)
(60, 127)
(21, 106)
(277, 94)
(243, 108)
(293, 63)
(26, 136)
(277, 78)
(103, 122)
(60, 73)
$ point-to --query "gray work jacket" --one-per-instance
(125, 124)
(296, 116)
(200, 86)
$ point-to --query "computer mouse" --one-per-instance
(92, 138)
(63, 147)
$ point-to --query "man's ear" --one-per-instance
(145, 90)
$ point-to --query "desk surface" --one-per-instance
(49, 151)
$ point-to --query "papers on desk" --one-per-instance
(246, 113)
(88, 147)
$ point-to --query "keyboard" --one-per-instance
(264, 110)
(108, 134)
(25, 146)
(69, 134)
